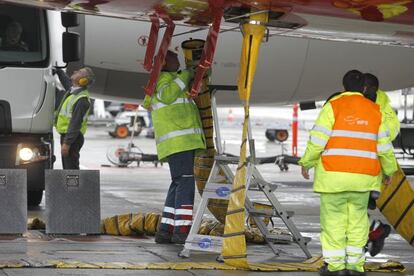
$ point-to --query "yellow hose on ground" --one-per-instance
(146, 224)
(131, 224)
(139, 224)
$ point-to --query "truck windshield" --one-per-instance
(23, 39)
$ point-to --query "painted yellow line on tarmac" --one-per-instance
(310, 265)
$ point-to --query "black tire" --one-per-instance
(34, 198)
(138, 127)
(271, 134)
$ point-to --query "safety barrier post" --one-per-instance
(295, 130)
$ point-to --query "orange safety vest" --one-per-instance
(352, 146)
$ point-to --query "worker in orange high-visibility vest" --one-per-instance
(350, 150)
(378, 230)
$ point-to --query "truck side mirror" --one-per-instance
(69, 19)
(71, 47)
(307, 105)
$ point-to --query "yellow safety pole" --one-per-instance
(234, 249)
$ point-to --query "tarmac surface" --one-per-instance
(143, 189)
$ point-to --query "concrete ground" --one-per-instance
(143, 189)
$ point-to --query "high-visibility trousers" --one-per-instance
(344, 229)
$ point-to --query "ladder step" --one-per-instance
(268, 213)
(204, 243)
(259, 184)
(224, 160)
(276, 238)
(255, 187)
(306, 240)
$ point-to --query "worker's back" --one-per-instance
(176, 120)
(349, 160)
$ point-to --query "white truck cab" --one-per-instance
(30, 45)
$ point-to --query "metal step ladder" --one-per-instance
(219, 187)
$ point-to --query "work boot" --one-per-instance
(325, 272)
(351, 272)
(162, 237)
(378, 233)
(373, 196)
(179, 238)
(372, 204)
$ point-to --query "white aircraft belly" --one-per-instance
(289, 69)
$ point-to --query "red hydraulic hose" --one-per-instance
(159, 59)
(209, 48)
(152, 42)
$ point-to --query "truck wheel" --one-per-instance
(34, 198)
(121, 131)
(139, 126)
(279, 135)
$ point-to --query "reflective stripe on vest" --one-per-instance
(177, 81)
(322, 129)
(319, 141)
(354, 134)
(181, 132)
(351, 152)
(177, 101)
(180, 83)
(384, 147)
(383, 134)
(352, 145)
(68, 110)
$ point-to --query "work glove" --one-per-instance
(147, 102)
(56, 70)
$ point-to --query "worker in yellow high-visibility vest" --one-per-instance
(178, 134)
(378, 230)
(71, 117)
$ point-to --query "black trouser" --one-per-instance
(71, 161)
(178, 209)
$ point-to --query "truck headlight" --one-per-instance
(32, 153)
(26, 154)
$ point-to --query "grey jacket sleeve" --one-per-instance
(64, 79)
(79, 110)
